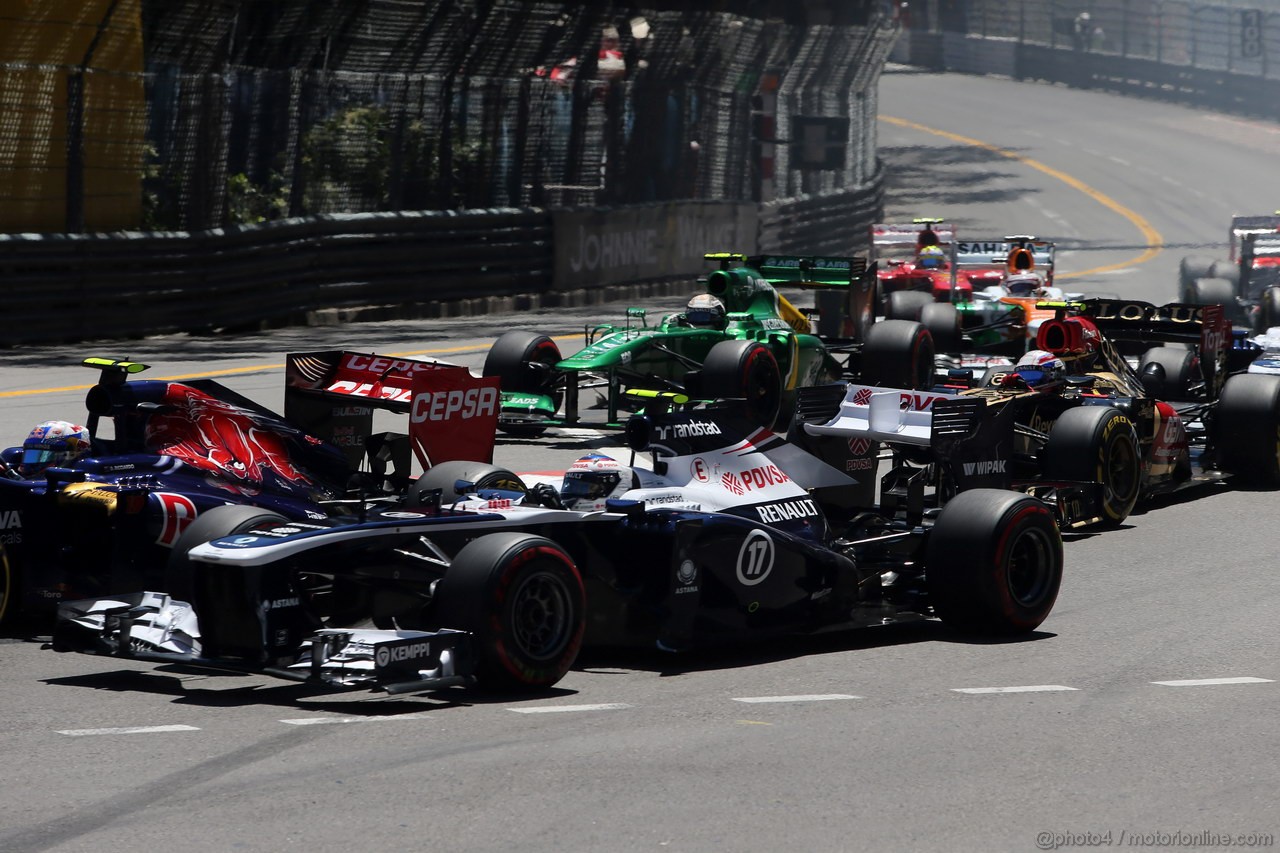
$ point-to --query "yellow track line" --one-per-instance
(258, 368)
(1153, 237)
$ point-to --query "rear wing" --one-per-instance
(452, 414)
(888, 238)
(812, 272)
(995, 253)
(1242, 226)
(1202, 326)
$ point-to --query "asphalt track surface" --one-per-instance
(1145, 707)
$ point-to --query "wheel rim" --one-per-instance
(1028, 571)
(1121, 469)
(6, 584)
(541, 615)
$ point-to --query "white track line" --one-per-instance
(128, 730)
(328, 721)
(1210, 682)
(568, 709)
(804, 697)
(1028, 688)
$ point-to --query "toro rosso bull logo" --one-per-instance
(222, 438)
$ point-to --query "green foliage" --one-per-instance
(249, 204)
(351, 164)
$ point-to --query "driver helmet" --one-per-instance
(1037, 366)
(705, 311)
(932, 258)
(1022, 284)
(593, 480)
(53, 443)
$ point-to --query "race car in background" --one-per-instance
(748, 343)
(913, 258)
(996, 305)
(721, 540)
(1247, 283)
(1081, 428)
(195, 459)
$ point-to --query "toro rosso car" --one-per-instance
(1247, 283)
(1081, 427)
(478, 578)
(740, 339)
(171, 452)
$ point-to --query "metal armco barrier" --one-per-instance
(69, 287)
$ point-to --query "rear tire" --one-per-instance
(943, 322)
(10, 589)
(1176, 371)
(1213, 291)
(1268, 310)
(994, 562)
(898, 354)
(906, 304)
(1246, 428)
(745, 370)
(1097, 444)
(523, 600)
(510, 358)
(446, 475)
(209, 525)
(1190, 269)
(1227, 271)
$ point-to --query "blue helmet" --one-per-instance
(52, 443)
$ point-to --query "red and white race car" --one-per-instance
(914, 257)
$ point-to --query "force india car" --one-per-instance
(174, 451)
(1091, 442)
(723, 539)
(1248, 282)
(761, 352)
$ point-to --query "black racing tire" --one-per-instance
(745, 370)
(1190, 269)
(209, 525)
(1097, 444)
(898, 354)
(1268, 310)
(523, 600)
(446, 475)
(1212, 291)
(994, 562)
(905, 304)
(509, 359)
(943, 322)
(1227, 271)
(1167, 372)
(1246, 428)
(10, 589)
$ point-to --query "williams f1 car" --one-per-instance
(1089, 432)
(723, 539)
